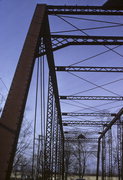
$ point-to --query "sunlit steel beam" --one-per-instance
(84, 123)
(88, 69)
(107, 98)
(62, 41)
(88, 114)
(84, 10)
(117, 116)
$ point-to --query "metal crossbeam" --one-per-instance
(84, 123)
(61, 41)
(102, 136)
(117, 116)
(83, 151)
(81, 140)
(79, 132)
(88, 114)
(107, 98)
(84, 10)
(88, 69)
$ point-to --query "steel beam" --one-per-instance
(117, 116)
(107, 98)
(83, 151)
(55, 139)
(84, 123)
(62, 41)
(49, 133)
(63, 159)
(51, 64)
(102, 136)
(11, 119)
(98, 161)
(119, 148)
(84, 10)
(59, 156)
(88, 114)
(88, 69)
(58, 152)
(90, 140)
(110, 153)
(104, 158)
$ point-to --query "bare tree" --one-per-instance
(21, 159)
(82, 153)
(68, 157)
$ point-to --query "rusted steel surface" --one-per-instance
(12, 116)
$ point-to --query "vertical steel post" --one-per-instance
(11, 119)
(110, 153)
(55, 134)
(58, 154)
(79, 148)
(63, 164)
(62, 157)
(122, 149)
(51, 64)
(48, 142)
(103, 157)
(119, 147)
(98, 160)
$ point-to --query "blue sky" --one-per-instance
(15, 17)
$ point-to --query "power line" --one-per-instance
(93, 84)
(89, 107)
(115, 107)
(87, 34)
(72, 25)
(98, 87)
(98, 106)
(87, 29)
(86, 59)
(87, 19)
(4, 84)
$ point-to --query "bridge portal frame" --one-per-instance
(16, 100)
(11, 119)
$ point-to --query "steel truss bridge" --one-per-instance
(39, 43)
